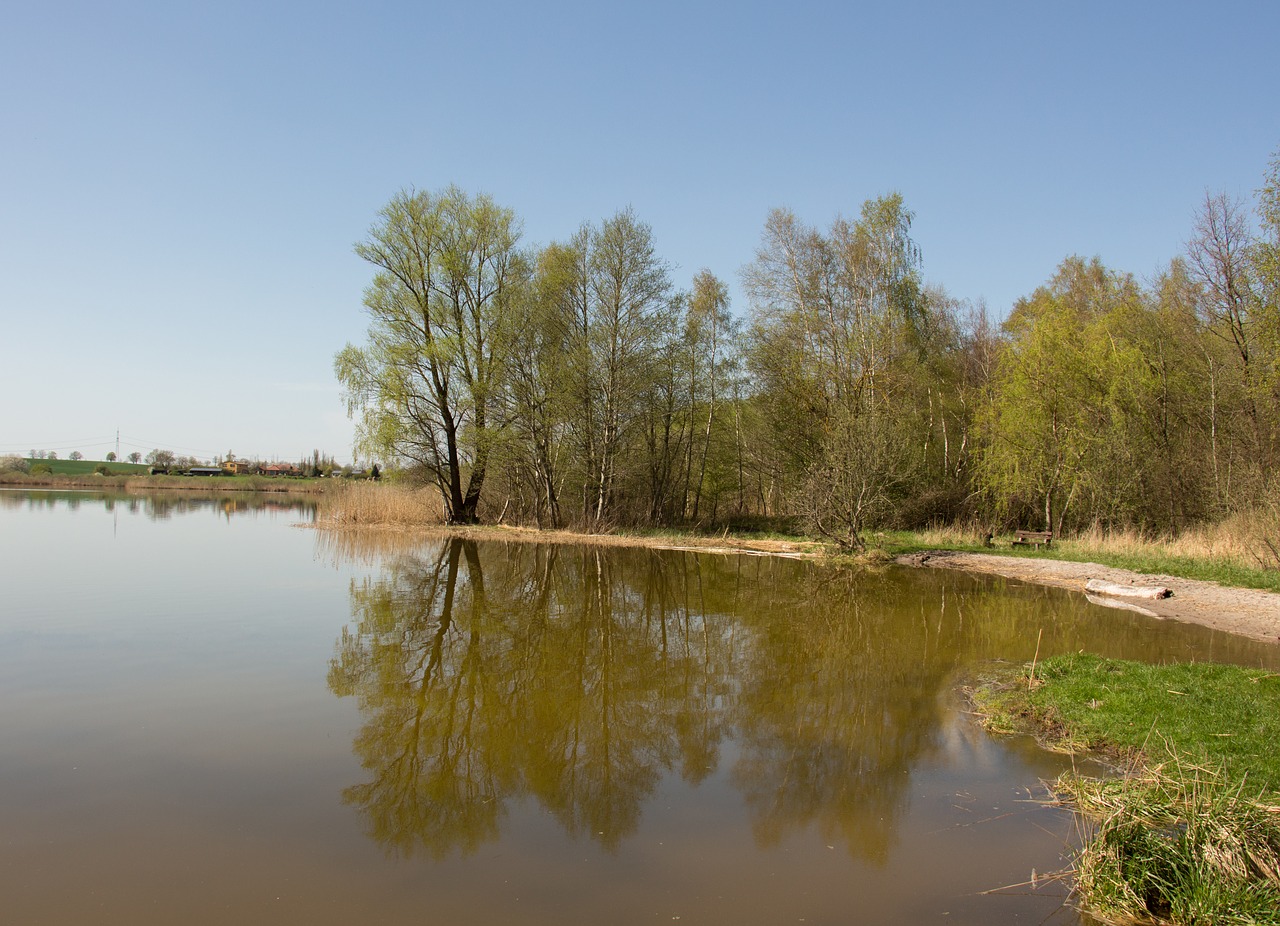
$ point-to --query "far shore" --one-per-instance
(147, 483)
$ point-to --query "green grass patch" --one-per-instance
(86, 467)
(1207, 569)
(1191, 832)
(1213, 714)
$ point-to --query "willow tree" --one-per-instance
(426, 387)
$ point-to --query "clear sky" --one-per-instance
(182, 183)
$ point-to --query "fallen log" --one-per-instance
(1098, 587)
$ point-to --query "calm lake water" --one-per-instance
(211, 715)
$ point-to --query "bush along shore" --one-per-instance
(1189, 830)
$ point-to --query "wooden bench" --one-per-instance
(1032, 538)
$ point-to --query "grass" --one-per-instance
(1191, 833)
(1211, 713)
(1177, 843)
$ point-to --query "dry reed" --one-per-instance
(373, 504)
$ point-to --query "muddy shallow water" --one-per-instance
(210, 715)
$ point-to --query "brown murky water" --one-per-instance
(208, 715)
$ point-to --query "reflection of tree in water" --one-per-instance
(541, 675)
(429, 736)
(578, 677)
(835, 709)
(614, 672)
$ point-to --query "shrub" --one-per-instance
(41, 469)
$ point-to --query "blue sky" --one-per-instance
(183, 183)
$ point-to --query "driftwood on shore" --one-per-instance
(1098, 587)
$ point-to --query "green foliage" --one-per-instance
(584, 389)
(838, 329)
(1064, 390)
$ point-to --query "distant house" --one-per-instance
(278, 469)
(205, 471)
(235, 467)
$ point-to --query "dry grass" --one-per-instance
(1242, 550)
(1249, 538)
(947, 536)
(398, 510)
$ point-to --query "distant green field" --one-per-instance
(85, 467)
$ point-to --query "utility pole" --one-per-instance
(117, 444)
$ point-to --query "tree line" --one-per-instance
(575, 384)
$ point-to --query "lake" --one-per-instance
(211, 713)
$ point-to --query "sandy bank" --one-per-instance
(1248, 612)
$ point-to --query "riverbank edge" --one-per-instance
(143, 484)
(694, 543)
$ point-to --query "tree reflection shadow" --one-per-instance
(579, 677)
(539, 675)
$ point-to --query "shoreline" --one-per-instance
(1245, 612)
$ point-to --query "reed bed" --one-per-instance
(377, 504)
